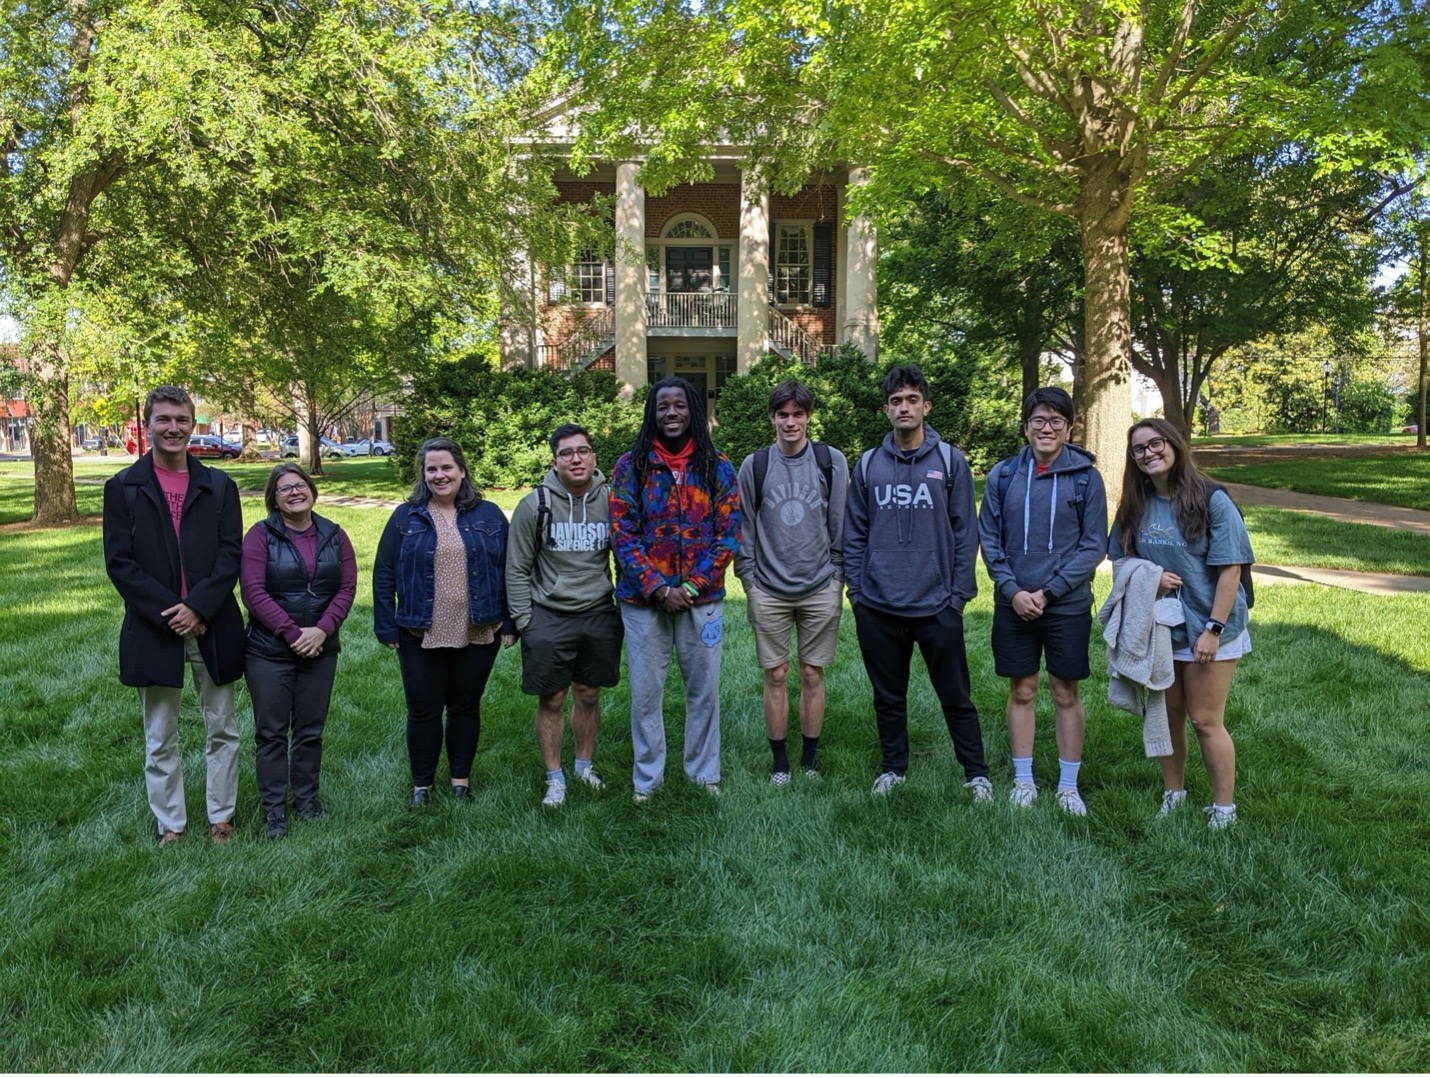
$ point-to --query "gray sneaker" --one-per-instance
(1023, 794)
(555, 793)
(779, 778)
(982, 789)
(1170, 800)
(886, 782)
(1219, 817)
(1071, 802)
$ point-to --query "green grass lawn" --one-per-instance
(1395, 438)
(1393, 479)
(1287, 537)
(808, 928)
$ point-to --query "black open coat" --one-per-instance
(141, 555)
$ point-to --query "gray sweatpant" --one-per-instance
(697, 636)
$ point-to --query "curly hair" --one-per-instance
(704, 459)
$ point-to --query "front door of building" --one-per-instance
(689, 269)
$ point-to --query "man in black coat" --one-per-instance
(173, 537)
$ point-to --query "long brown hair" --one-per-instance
(1189, 488)
(467, 493)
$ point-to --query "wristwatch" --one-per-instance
(1214, 627)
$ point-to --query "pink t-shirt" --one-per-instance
(175, 486)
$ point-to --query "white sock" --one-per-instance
(1022, 769)
(1067, 773)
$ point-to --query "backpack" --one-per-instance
(544, 536)
(1005, 480)
(822, 457)
(944, 450)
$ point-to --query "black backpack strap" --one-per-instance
(825, 459)
(543, 529)
(762, 465)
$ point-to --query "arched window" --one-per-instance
(689, 227)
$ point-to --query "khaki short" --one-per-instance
(815, 617)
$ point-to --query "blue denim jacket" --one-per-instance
(404, 574)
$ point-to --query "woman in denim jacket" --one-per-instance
(439, 598)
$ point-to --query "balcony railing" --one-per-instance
(690, 310)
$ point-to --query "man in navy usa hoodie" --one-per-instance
(1041, 526)
(910, 540)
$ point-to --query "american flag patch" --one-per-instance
(934, 473)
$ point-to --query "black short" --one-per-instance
(557, 649)
(1019, 646)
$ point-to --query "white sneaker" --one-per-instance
(779, 778)
(712, 788)
(1170, 800)
(590, 778)
(1070, 801)
(642, 796)
(982, 789)
(555, 793)
(1219, 817)
(886, 782)
(1023, 794)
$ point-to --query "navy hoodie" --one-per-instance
(1047, 531)
(909, 546)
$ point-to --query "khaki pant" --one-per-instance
(163, 766)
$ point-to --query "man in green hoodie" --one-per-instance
(558, 586)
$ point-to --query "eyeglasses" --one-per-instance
(582, 451)
(1054, 423)
(1151, 445)
(291, 488)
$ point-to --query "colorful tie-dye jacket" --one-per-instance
(670, 532)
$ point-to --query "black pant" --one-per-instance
(887, 644)
(438, 678)
(290, 697)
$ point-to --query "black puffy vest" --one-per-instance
(287, 581)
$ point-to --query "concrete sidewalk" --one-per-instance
(1350, 510)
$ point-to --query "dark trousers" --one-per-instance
(887, 644)
(290, 706)
(434, 679)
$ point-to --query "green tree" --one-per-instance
(1092, 112)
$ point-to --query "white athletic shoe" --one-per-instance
(886, 782)
(1170, 800)
(1219, 818)
(982, 789)
(1023, 794)
(1070, 801)
(590, 778)
(555, 793)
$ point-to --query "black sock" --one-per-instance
(806, 755)
(777, 746)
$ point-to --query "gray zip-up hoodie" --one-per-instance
(570, 570)
(1051, 530)
(909, 547)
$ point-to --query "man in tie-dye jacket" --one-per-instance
(675, 526)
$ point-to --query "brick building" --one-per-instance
(700, 280)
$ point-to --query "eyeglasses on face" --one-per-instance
(1053, 423)
(582, 451)
(1151, 445)
(291, 488)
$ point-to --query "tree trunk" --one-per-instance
(1105, 407)
(50, 437)
(1420, 332)
(1030, 341)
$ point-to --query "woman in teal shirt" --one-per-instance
(1174, 516)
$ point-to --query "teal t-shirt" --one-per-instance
(1159, 540)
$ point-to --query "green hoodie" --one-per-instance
(572, 573)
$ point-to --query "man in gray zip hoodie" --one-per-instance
(1041, 526)
(559, 590)
(910, 539)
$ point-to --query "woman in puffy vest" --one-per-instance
(297, 578)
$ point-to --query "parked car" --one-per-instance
(92, 442)
(1410, 428)
(212, 446)
(329, 448)
(368, 447)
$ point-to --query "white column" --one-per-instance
(753, 311)
(861, 251)
(630, 312)
(516, 337)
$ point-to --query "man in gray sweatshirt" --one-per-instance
(558, 586)
(791, 562)
(1042, 528)
(910, 540)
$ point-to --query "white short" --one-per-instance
(1228, 649)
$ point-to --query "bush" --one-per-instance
(502, 418)
(969, 411)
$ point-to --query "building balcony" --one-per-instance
(691, 314)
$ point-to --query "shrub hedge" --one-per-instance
(502, 418)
